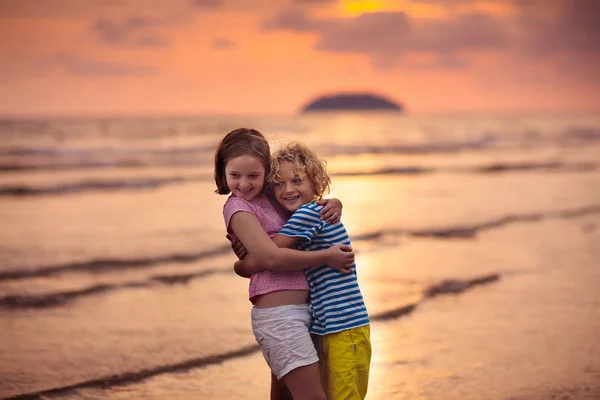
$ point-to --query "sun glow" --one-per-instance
(353, 7)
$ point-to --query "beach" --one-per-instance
(476, 243)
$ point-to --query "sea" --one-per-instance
(477, 242)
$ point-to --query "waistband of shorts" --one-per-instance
(259, 314)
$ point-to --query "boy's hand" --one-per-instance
(237, 247)
(332, 210)
(245, 268)
(341, 258)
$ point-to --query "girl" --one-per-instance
(341, 321)
(280, 317)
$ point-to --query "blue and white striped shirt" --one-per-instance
(335, 297)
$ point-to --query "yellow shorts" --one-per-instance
(345, 358)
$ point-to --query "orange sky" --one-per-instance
(73, 57)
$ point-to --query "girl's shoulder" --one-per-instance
(234, 202)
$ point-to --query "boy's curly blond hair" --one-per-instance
(306, 162)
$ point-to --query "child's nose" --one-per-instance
(244, 182)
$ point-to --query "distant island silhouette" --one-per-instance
(351, 102)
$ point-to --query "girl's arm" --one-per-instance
(249, 265)
(332, 210)
(269, 256)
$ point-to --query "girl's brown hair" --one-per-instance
(239, 142)
(306, 162)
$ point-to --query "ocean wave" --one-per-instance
(126, 378)
(21, 166)
(60, 298)
(388, 171)
(493, 168)
(95, 185)
(48, 167)
(535, 166)
(110, 264)
(454, 286)
(448, 286)
(579, 135)
(22, 158)
(103, 152)
(477, 144)
(117, 184)
(469, 231)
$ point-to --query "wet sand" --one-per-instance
(531, 334)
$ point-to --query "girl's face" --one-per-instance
(245, 176)
(293, 190)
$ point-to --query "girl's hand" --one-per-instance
(332, 210)
(238, 247)
(341, 258)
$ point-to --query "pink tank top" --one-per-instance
(272, 220)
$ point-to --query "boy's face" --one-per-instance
(292, 190)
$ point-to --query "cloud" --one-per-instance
(136, 31)
(78, 65)
(445, 61)
(57, 8)
(222, 43)
(315, 2)
(293, 20)
(83, 66)
(548, 27)
(93, 9)
(210, 4)
(570, 27)
(387, 36)
(18, 65)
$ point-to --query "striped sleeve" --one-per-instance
(304, 224)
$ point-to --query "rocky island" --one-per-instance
(351, 102)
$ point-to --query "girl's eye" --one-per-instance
(253, 176)
(297, 180)
(234, 175)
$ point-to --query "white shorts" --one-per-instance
(283, 337)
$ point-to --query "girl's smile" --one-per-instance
(245, 176)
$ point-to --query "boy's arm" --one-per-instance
(246, 267)
(249, 230)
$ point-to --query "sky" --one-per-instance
(267, 57)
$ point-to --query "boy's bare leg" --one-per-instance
(278, 390)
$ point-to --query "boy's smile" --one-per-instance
(293, 190)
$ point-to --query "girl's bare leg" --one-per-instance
(305, 383)
(278, 390)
